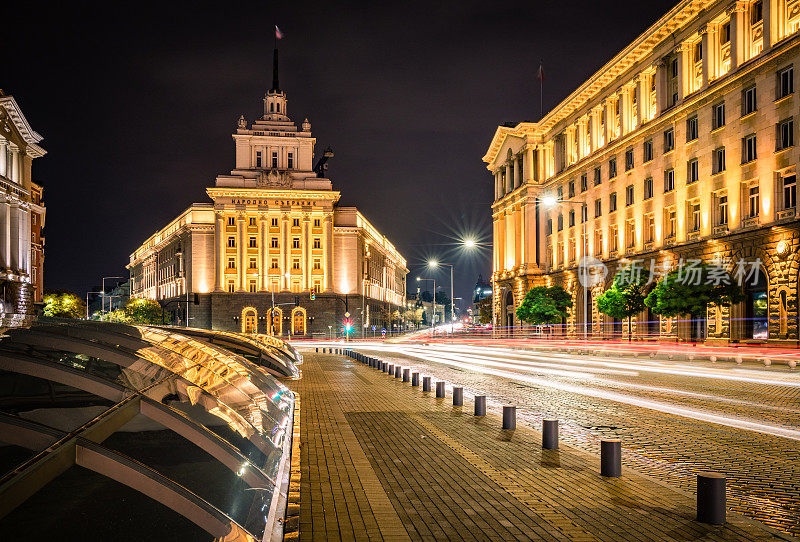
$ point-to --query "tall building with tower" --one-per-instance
(272, 252)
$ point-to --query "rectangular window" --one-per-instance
(598, 207)
(295, 242)
(785, 82)
(669, 140)
(252, 263)
(718, 164)
(571, 218)
(274, 159)
(612, 168)
(597, 177)
(630, 234)
(251, 286)
(274, 242)
(650, 228)
(598, 242)
(258, 159)
(560, 193)
(571, 189)
(613, 239)
(274, 263)
(648, 188)
(612, 202)
(790, 191)
(691, 128)
(316, 222)
(231, 287)
(784, 134)
(669, 180)
(231, 242)
(725, 33)
(718, 116)
(317, 242)
(698, 51)
(231, 263)
(253, 243)
(584, 213)
(231, 221)
(317, 264)
(748, 148)
(560, 222)
(584, 182)
(722, 210)
(752, 201)
(629, 195)
(749, 100)
(290, 161)
(694, 217)
(295, 222)
(629, 160)
(549, 228)
(295, 263)
(672, 223)
(252, 221)
(756, 12)
(647, 150)
(274, 222)
(692, 171)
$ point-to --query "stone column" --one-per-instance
(3, 156)
(263, 251)
(768, 11)
(25, 240)
(219, 252)
(328, 256)
(306, 252)
(14, 235)
(624, 112)
(661, 87)
(517, 169)
(685, 67)
(285, 251)
(708, 62)
(641, 108)
(738, 16)
(15, 166)
(242, 251)
(509, 177)
(530, 173)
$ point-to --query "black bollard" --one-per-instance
(406, 373)
(415, 379)
(480, 405)
(316, 350)
(440, 389)
(509, 417)
(611, 458)
(458, 396)
(711, 498)
(398, 371)
(384, 366)
(550, 434)
(390, 369)
(426, 383)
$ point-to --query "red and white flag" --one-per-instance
(278, 33)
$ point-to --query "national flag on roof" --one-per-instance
(278, 33)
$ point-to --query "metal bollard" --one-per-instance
(550, 434)
(406, 375)
(458, 396)
(390, 369)
(611, 458)
(509, 417)
(415, 379)
(440, 389)
(384, 366)
(426, 383)
(316, 350)
(480, 405)
(398, 371)
(711, 498)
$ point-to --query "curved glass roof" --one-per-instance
(168, 375)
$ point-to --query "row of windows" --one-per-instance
(253, 263)
(252, 286)
(274, 243)
(273, 222)
(260, 160)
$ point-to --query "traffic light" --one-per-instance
(313, 293)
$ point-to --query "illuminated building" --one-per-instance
(272, 231)
(21, 217)
(684, 145)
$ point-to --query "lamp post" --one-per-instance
(552, 201)
(103, 308)
(87, 302)
(433, 304)
(433, 264)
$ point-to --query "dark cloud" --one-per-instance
(137, 102)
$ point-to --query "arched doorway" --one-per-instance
(276, 318)
(756, 309)
(249, 320)
(298, 321)
(508, 310)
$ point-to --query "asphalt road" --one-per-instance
(674, 418)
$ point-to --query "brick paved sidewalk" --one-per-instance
(383, 460)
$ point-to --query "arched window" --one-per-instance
(276, 319)
(272, 107)
(249, 320)
(298, 321)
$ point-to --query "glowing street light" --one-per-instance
(549, 201)
(434, 264)
(469, 243)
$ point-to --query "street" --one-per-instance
(675, 419)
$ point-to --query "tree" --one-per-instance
(117, 316)
(689, 289)
(544, 305)
(626, 296)
(485, 310)
(63, 304)
(143, 311)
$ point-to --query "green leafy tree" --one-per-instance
(117, 316)
(485, 310)
(689, 290)
(544, 305)
(143, 311)
(63, 304)
(626, 296)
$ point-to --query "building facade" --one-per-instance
(21, 217)
(272, 252)
(683, 146)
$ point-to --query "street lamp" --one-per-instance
(433, 264)
(433, 304)
(103, 308)
(87, 302)
(549, 202)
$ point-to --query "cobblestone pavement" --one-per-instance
(674, 418)
(386, 461)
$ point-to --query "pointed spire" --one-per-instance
(276, 87)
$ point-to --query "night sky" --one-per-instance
(137, 106)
